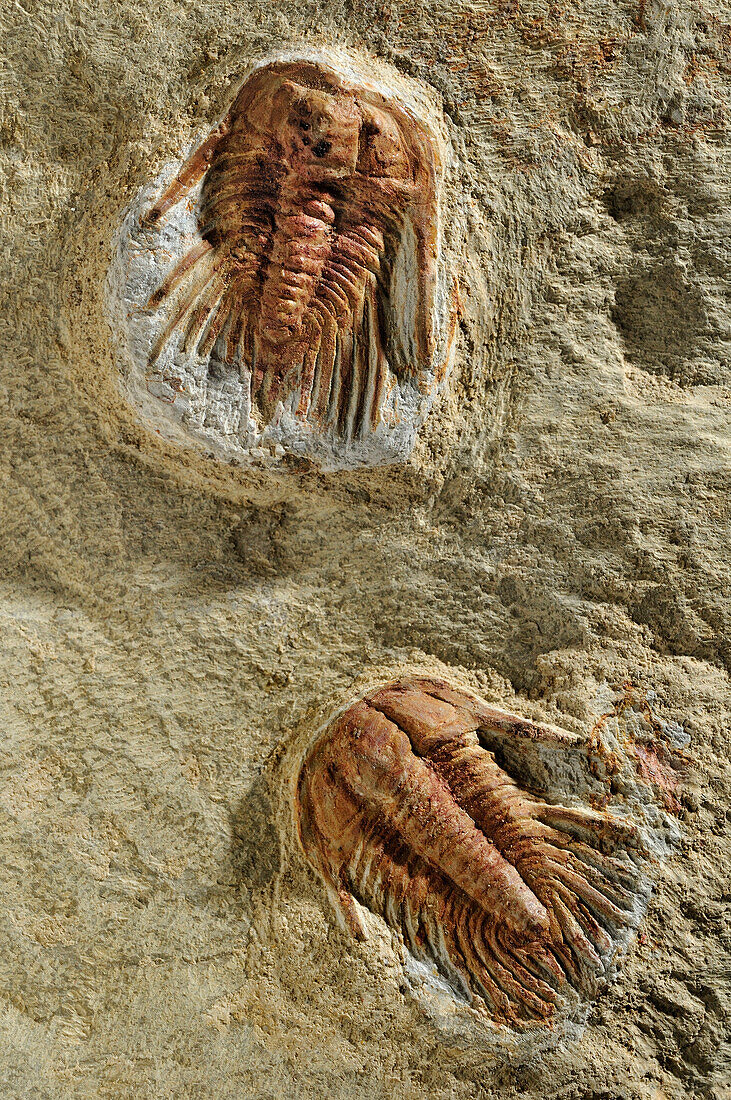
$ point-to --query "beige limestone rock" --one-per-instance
(172, 626)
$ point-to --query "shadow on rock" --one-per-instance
(255, 855)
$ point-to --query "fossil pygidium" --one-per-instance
(520, 902)
(312, 185)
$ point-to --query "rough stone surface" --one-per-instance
(172, 626)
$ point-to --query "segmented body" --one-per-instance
(516, 900)
(308, 185)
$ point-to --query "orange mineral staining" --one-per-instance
(311, 186)
(521, 903)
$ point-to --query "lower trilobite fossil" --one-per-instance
(315, 272)
(520, 902)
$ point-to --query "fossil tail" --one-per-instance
(338, 369)
(441, 925)
(362, 372)
(343, 380)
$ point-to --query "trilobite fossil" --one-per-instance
(519, 901)
(316, 266)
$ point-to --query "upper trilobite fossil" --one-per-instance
(313, 185)
(520, 902)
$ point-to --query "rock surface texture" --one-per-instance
(175, 628)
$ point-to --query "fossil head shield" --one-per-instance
(287, 276)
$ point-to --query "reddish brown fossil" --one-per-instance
(311, 186)
(517, 900)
